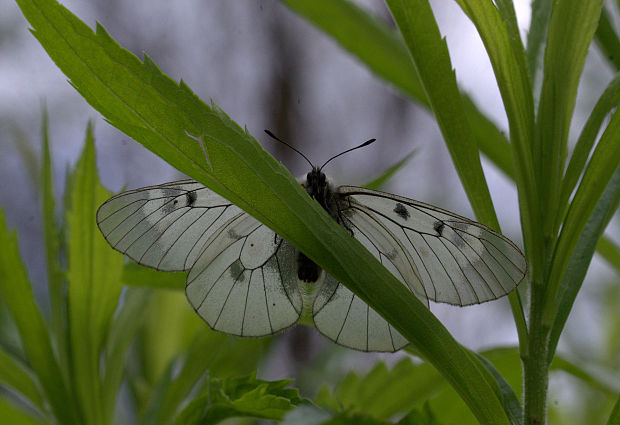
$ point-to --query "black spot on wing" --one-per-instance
(190, 198)
(438, 226)
(401, 211)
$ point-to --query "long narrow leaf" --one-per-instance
(383, 52)
(609, 251)
(14, 416)
(614, 416)
(500, 35)
(17, 293)
(599, 172)
(94, 277)
(607, 39)
(17, 376)
(147, 105)
(582, 256)
(430, 56)
(571, 28)
(378, 182)
(605, 104)
(541, 10)
(122, 332)
(52, 245)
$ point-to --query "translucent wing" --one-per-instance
(344, 318)
(164, 227)
(245, 281)
(455, 260)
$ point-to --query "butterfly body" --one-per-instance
(246, 280)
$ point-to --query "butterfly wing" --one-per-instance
(458, 261)
(164, 227)
(245, 281)
(344, 318)
(242, 279)
(438, 255)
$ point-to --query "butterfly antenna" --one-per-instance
(273, 136)
(366, 143)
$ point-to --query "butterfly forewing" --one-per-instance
(166, 226)
(458, 261)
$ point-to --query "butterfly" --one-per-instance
(246, 280)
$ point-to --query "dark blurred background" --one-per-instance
(268, 68)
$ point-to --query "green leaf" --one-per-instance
(509, 399)
(430, 55)
(137, 275)
(582, 256)
(571, 28)
(598, 378)
(609, 251)
(383, 393)
(123, 329)
(17, 376)
(27, 153)
(380, 181)
(605, 104)
(537, 33)
(500, 34)
(607, 39)
(382, 50)
(614, 416)
(221, 355)
(599, 172)
(147, 105)
(14, 416)
(16, 292)
(240, 397)
(94, 279)
(52, 239)
(425, 416)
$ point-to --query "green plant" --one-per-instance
(565, 201)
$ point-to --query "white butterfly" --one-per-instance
(246, 280)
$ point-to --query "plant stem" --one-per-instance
(535, 365)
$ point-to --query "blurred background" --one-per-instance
(268, 68)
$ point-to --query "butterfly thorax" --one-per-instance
(319, 189)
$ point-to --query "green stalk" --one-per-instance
(535, 365)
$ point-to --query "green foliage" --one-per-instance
(69, 369)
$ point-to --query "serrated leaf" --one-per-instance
(212, 353)
(171, 121)
(383, 393)
(240, 397)
(94, 285)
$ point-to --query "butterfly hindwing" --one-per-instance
(244, 282)
(344, 318)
